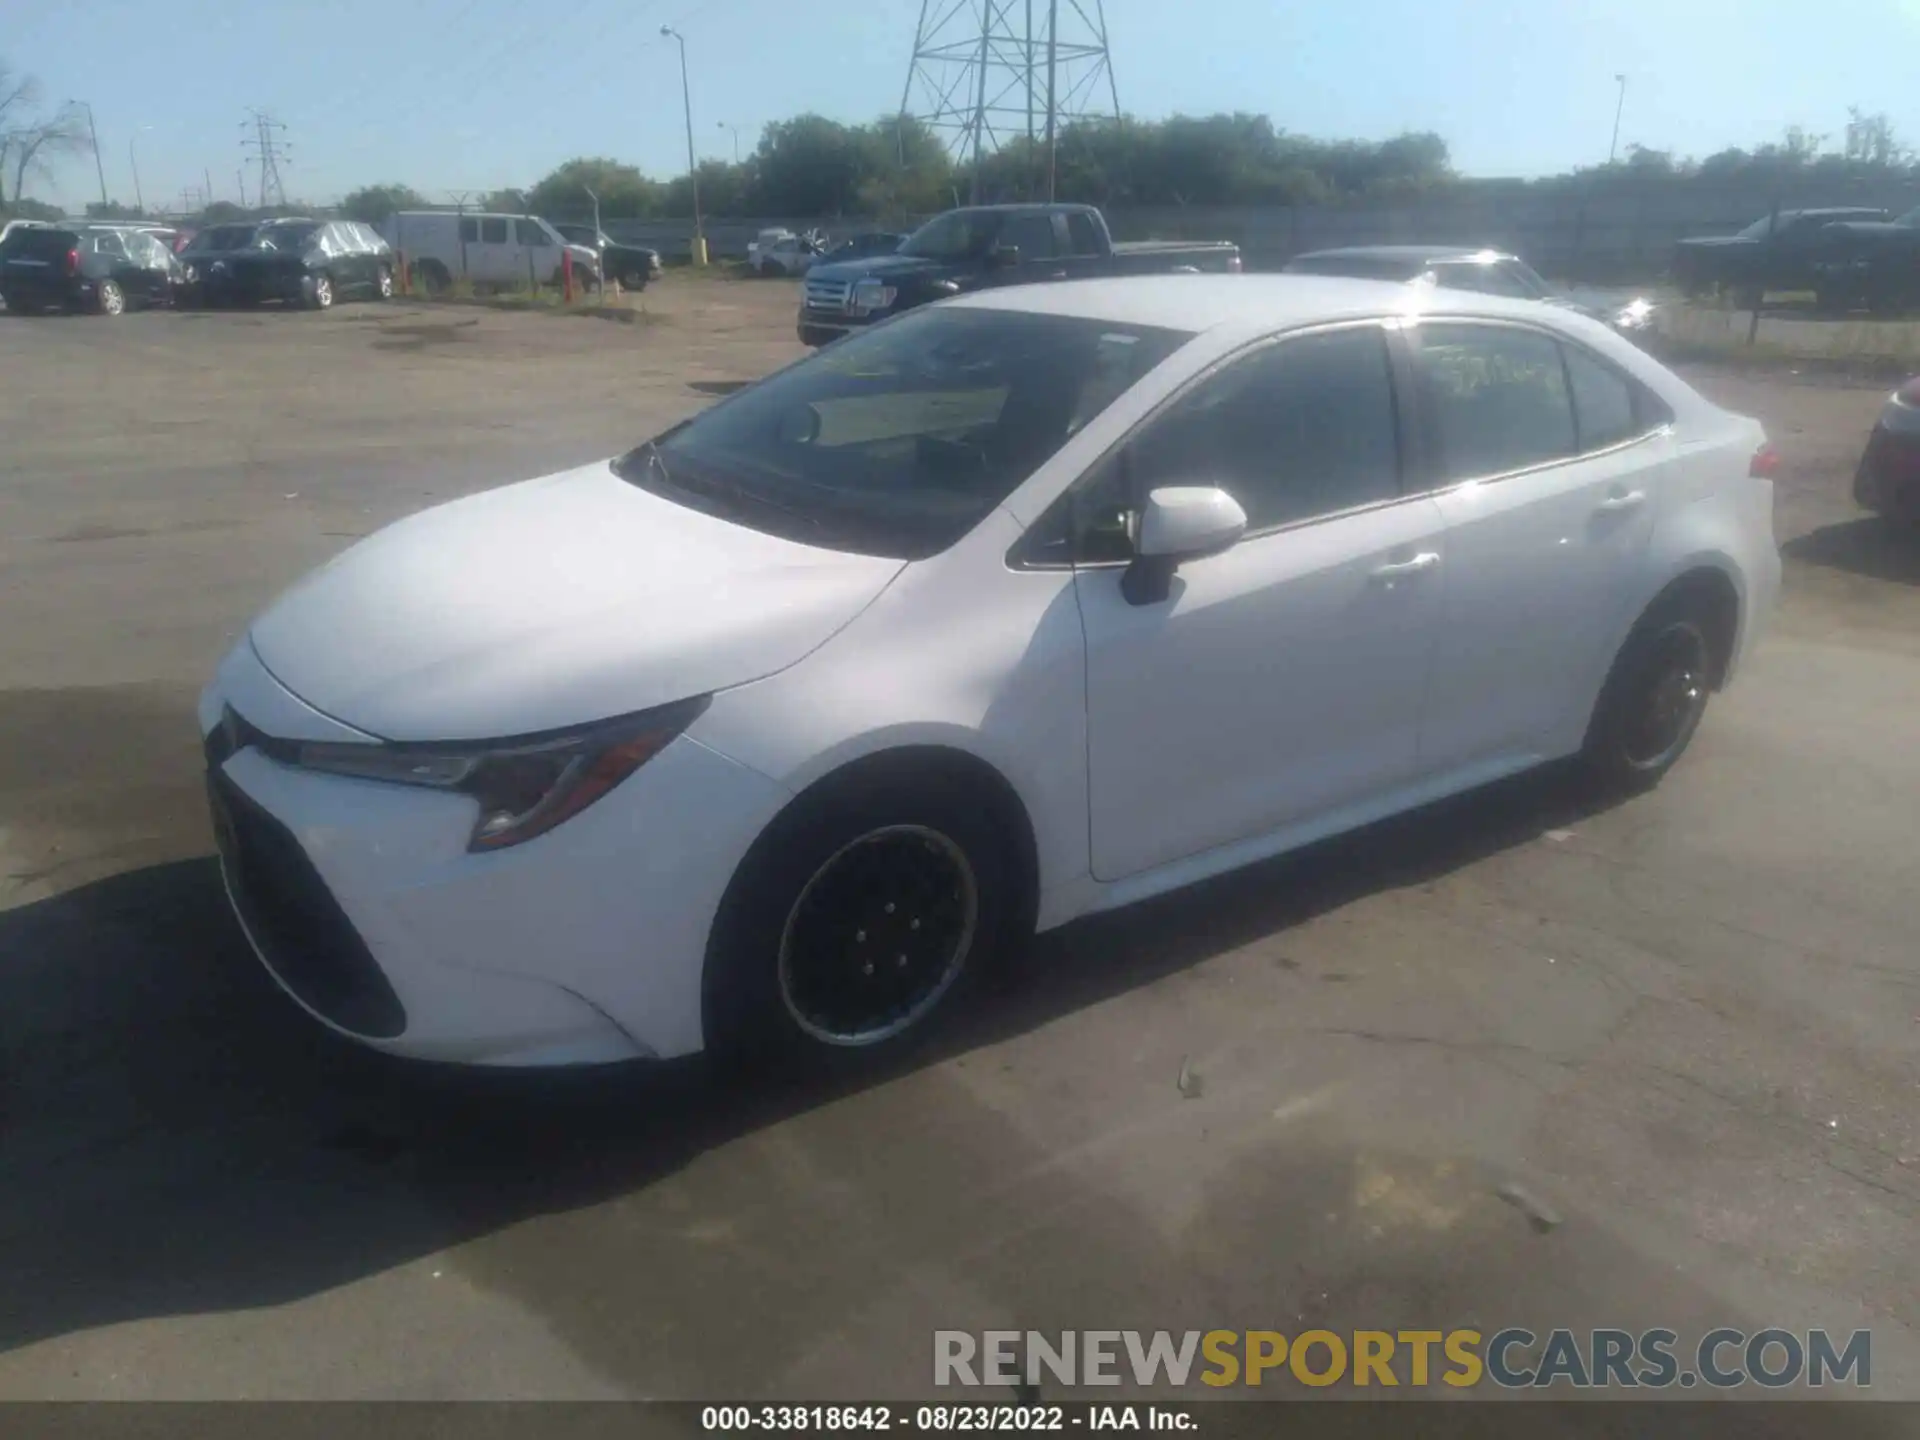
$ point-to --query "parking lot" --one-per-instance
(1508, 1062)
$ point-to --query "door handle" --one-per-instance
(1425, 560)
(1614, 504)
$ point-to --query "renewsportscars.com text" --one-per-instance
(1511, 1358)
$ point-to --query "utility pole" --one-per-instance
(240, 180)
(269, 150)
(93, 138)
(693, 168)
(1622, 105)
(1053, 69)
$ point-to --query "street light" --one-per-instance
(93, 136)
(736, 139)
(1622, 105)
(133, 160)
(693, 169)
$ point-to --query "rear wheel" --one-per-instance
(383, 284)
(1653, 700)
(109, 298)
(319, 291)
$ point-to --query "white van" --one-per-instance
(490, 250)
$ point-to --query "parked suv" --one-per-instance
(97, 268)
(632, 265)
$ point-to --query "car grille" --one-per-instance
(828, 297)
(303, 935)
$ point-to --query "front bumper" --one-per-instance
(582, 946)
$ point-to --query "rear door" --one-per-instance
(495, 258)
(1548, 457)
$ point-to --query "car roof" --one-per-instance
(1411, 254)
(1257, 303)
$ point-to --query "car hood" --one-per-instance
(888, 267)
(552, 603)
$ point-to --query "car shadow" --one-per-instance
(176, 1138)
(718, 388)
(1868, 546)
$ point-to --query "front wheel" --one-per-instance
(1652, 703)
(856, 921)
(383, 284)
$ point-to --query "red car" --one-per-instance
(1888, 480)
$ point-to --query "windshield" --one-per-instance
(578, 234)
(221, 237)
(899, 440)
(956, 235)
(285, 237)
(1760, 228)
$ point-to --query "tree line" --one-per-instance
(814, 167)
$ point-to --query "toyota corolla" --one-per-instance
(767, 735)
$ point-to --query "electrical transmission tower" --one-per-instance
(269, 150)
(987, 71)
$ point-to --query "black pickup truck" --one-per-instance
(989, 245)
(1866, 264)
(1775, 252)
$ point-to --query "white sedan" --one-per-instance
(767, 735)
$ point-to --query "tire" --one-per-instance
(434, 277)
(1653, 700)
(770, 270)
(109, 298)
(856, 922)
(383, 284)
(317, 291)
(636, 278)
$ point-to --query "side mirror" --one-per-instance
(1005, 256)
(1184, 522)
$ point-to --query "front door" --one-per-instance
(1553, 458)
(1282, 680)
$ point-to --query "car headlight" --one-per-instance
(871, 294)
(524, 787)
(1634, 315)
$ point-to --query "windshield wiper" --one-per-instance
(725, 490)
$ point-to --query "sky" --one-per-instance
(449, 95)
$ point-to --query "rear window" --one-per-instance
(39, 244)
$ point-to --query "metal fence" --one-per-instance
(1597, 233)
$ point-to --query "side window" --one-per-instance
(470, 232)
(530, 232)
(1303, 429)
(1497, 398)
(1603, 407)
(493, 231)
(1082, 237)
(1033, 233)
(109, 245)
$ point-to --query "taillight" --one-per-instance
(1909, 393)
(73, 262)
(1765, 463)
